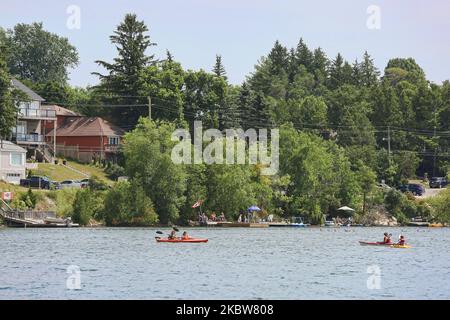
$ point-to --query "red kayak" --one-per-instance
(365, 243)
(190, 240)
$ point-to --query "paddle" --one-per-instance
(176, 229)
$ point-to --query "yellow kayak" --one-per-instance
(404, 246)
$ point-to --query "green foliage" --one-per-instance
(440, 207)
(148, 161)
(97, 184)
(38, 55)
(87, 205)
(7, 109)
(64, 200)
(230, 189)
(126, 204)
(219, 69)
(320, 174)
(122, 81)
(403, 208)
(114, 171)
(30, 199)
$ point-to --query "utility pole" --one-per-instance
(389, 143)
(434, 139)
(435, 151)
(149, 107)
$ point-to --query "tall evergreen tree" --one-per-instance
(320, 66)
(304, 56)
(356, 73)
(246, 108)
(369, 73)
(122, 83)
(336, 72)
(347, 74)
(169, 56)
(278, 58)
(219, 69)
(7, 109)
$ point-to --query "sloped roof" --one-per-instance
(9, 146)
(60, 111)
(87, 127)
(30, 93)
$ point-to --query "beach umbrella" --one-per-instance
(345, 208)
(254, 208)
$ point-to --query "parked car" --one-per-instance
(70, 184)
(414, 188)
(84, 183)
(438, 182)
(39, 182)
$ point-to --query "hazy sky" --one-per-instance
(243, 31)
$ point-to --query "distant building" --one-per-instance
(86, 138)
(12, 162)
(33, 123)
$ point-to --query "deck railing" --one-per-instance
(36, 113)
(20, 137)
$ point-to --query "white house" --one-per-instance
(12, 162)
(33, 121)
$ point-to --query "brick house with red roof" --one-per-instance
(85, 138)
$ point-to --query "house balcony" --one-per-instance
(29, 139)
(36, 114)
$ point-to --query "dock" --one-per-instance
(242, 225)
(32, 219)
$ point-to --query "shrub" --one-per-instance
(114, 171)
(127, 204)
(30, 199)
(64, 200)
(87, 205)
(97, 184)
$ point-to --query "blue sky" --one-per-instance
(243, 31)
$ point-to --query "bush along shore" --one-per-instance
(160, 192)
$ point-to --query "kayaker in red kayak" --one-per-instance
(185, 236)
(401, 241)
(387, 238)
(173, 235)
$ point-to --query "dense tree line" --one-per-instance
(344, 125)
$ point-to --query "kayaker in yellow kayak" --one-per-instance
(401, 241)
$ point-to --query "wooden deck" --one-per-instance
(32, 219)
(242, 225)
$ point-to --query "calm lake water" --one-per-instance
(272, 263)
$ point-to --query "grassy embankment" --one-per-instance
(56, 200)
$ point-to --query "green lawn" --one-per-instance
(89, 169)
(58, 172)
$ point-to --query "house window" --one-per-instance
(21, 127)
(16, 159)
(114, 141)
